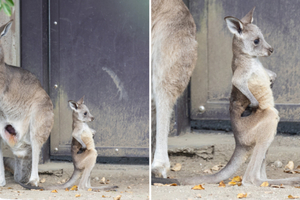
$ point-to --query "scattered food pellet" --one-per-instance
(222, 184)
(264, 184)
(176, 167)
(102, 181)
(293, 197)
(241, 195)
(118, 197)
(198, 187)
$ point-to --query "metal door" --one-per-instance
(100, 49)
(211, 80)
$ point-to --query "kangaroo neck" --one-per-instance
(243, 60)
(77, 123)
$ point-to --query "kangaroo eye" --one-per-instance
(256, 41)
(85, 113)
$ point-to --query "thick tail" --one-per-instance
(75, 176)
(163, 180)
(29, 187)
(239, 156)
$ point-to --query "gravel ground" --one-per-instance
(285, 148)
(133, 182)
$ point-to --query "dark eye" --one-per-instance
(85, 113)
(256, 41)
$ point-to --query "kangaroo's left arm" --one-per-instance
(272, 76)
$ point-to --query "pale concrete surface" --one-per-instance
(284, 148)
(132, 180)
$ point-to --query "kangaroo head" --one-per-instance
(81, 111)
(3, 30)
(248, 38)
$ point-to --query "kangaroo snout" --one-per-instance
(271, 50)
(92, 118)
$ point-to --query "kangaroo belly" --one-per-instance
(87, 138)
(259, 85)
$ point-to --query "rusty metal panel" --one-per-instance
(211, 80)
(100, 49)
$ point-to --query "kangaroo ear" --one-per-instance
(234, 25)
(81, 101)
(4, 29)
(73, 105)
(248, 19)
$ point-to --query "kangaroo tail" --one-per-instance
(75, 176)
(29, 187)
(239, 156)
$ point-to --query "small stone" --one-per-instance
(176, 167)
(63, 181)
(198, 195)
(278, 164)
(43, 180)
(102, 181)
(96, 178)
(290, 165)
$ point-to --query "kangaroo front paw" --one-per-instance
(83, 146)
(81, 150)
(254, 105)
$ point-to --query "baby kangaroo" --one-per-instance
(250, 88)
(84, 161)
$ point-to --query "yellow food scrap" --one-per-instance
(241, 195)
(222, 184)
(264, 184)
(74, 187)
(118, 197)
(54, 191)
(232, 183)
(293, 197)
(198, 187)
(237, 179)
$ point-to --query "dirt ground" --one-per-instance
(132, 180)
(285, 148)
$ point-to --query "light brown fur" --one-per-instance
(27, 109)
(83, 162)
(173, 55)
(251, 87)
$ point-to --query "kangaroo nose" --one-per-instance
(92, 118)
(271, 50)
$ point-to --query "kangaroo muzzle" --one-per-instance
(271, 50)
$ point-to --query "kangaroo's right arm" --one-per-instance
(240, 81)
(77, 135)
